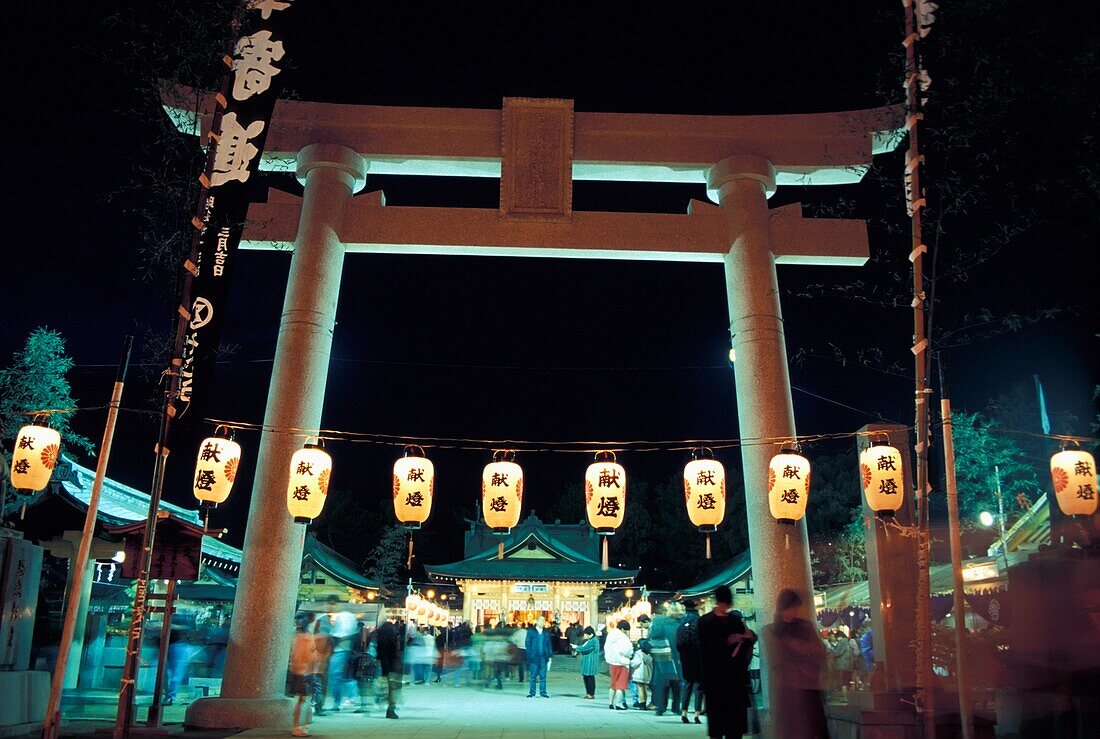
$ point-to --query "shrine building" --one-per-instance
(549, 570)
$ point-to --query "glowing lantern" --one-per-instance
(1073, 472)
(641, 608)
(788, 485)
(413, 486)
(412, 602)
(37, 447)
(705, 492)
(310, 474)
(502, 492)
(216, 467)
(605, 496)
(882, 475)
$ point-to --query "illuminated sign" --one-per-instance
(979, 571)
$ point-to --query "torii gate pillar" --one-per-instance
(741, 184)
(267, 591)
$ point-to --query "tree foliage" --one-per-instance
(981, 456)
(387, 558)
(34, 381)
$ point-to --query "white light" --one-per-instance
(986, 518)
(733, 355)
(120, 557)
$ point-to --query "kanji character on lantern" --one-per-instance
(37, 447)
(216, 467)
(1073, 474)
(413, 487)
(705, 492)
(310, 474)
(502, 492)
(605, 496)
(788, 484)
(881, 472)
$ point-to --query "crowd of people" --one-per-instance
(681, 662)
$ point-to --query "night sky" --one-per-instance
(517, 348)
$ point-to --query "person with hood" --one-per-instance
(796, 656)
(666, 660)
(687, 645)
(618, 651)
(589, 650)
(725, 649)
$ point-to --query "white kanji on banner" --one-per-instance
(234, 152)
(252, 64)
(267, 7)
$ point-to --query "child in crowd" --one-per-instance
(641, 665)
(303, 665)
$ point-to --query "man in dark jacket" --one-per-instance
(539, 650)
(389, 641)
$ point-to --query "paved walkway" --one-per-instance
(442, 710)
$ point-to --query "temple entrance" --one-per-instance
(536, 148)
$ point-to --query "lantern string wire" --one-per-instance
(574, 446)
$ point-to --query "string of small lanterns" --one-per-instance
(881, 467)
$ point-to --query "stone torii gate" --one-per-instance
(536, 147)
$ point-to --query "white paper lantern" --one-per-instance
(705, 490)
(605, 493)
(413, 487)
(502, 492)
(882, 474)
(1073, 473)
(788, 485)
(412, 603)
(216, 468)
(37, 447)
(310, 475)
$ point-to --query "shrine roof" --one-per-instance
(121, 506)
(726, 573)
(531, 553)
(335, 565)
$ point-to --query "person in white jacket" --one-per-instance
(618, 651)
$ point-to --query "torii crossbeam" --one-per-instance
(536, 148)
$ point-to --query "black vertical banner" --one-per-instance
(236, 140)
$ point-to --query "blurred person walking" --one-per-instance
(687, 646)
(796, 657)
(725, 649)
(364, 661)
(389, 640)
(666, 660)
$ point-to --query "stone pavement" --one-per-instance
(442, 710)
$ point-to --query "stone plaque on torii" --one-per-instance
(536, 147)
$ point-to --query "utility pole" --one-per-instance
(80, 562)
(966, 717)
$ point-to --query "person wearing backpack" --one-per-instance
(687, 644)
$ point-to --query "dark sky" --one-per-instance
(504, 348)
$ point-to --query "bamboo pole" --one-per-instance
(80, 563)
(925, 689)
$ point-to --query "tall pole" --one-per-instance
(966, 717)
(80, 562)
(125, 713)
(1001, 515)
(925, 689)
